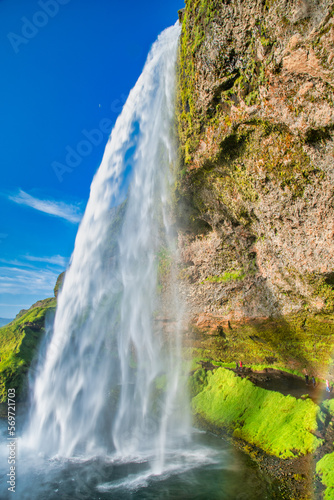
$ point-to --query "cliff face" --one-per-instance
(256, 126)
(19, 343)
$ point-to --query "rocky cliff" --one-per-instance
(256, 126)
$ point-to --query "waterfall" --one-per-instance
(109, 379)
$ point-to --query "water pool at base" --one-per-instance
(207, 468)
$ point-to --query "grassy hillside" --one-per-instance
(18, 344)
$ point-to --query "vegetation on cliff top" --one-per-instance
(280, 425)
(18, 346)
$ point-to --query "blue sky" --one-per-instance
(67, 67)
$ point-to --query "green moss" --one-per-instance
(254, 155)
(293, 343)
(195, 25)
(280, 425)
(325, 467)
(281, 156)
(197, 382)
(329, 406)
(185, 91)
(325, 291)
(18, 344)
(261, 367)
(274, 149)
(225, 277)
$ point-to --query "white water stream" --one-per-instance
(97, 390)
(109, 413)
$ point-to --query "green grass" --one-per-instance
(18, 345)
(325, 467)
(280, 425)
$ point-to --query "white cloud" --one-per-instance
(15, 280)
(56, 260)
(60, 209)
(23, 306)
(15, 262)
(18, 277)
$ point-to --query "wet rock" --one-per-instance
(256, 123)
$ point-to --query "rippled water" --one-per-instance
(207, 469)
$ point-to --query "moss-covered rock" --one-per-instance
(301, 342)
(325, 468)
(256, 117)
(281, 425)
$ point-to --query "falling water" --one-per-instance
(98, 386)
(109, 412)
